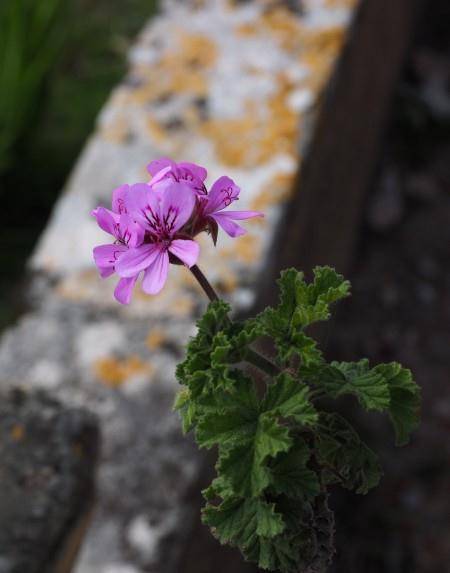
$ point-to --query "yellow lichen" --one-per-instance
(247, 29)
(246, 249)
(197, 50)
(116, 131)
(17, 432)
(227, 281)
(283, 26)
(114, 372)
(182, 306)
(319, 53)
(256, 137)
(155, 339)
(156, 130)
(180, 70)
(341, 3)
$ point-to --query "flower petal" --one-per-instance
(106, 256)
(240, 215)
(157, 165)
(228, 225)
(142, 204)
(130, 231)
(156, 275)
(136, 260)
(106, 220)
(186, 251)
(223, 192)
(177, 204)
(124, 289)
(192, 172)
(162, 175)
(118, 199)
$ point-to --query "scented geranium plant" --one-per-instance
(281, 445)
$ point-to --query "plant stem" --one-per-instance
(252, 356)
(261, 362)
(204, 283)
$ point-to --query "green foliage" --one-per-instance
(30, 42)
(278, 450)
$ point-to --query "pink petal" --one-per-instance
(142, 204)
(240, 215)
(106, 220)
(106, 256)
(130, 231)
(158, 164)
(228, 225)
(197, 171)
(161, 176)
(177, 204)
(124, 289)
(186, 251)
(136, 260)
(156, 275)
(118, 199)
(223, 192)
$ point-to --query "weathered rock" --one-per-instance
(48, 458)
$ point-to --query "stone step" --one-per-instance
(278, 95)
(49, 455)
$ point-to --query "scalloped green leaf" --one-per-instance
(289, 398)
(291, 475)
(404, 408)
(238, 521)
(346, 459)
(301, 305)
(244, 466)
(367, 384)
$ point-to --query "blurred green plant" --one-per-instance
(31, 38)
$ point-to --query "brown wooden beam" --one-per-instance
(322, 221)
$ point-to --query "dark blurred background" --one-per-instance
(400, 310)
(58, 63)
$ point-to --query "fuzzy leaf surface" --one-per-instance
(345, 457)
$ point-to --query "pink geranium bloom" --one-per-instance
(127, 234)
(222, 194)
(154, 224)
(189, 173)
(162, 215)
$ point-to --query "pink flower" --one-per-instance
(224, 192)
(154, 224)
(162, 214)
(189, 173)
(128, 234)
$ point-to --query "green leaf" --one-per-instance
(238, 521)
(313, 300)
(289, 398)
(232, 428)
(243, 467)
(345, 457)
(292, 477)
(301, 305)
(229, 417)
(367, 384)
(404, 408)
(257, 529)
(186, 408)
